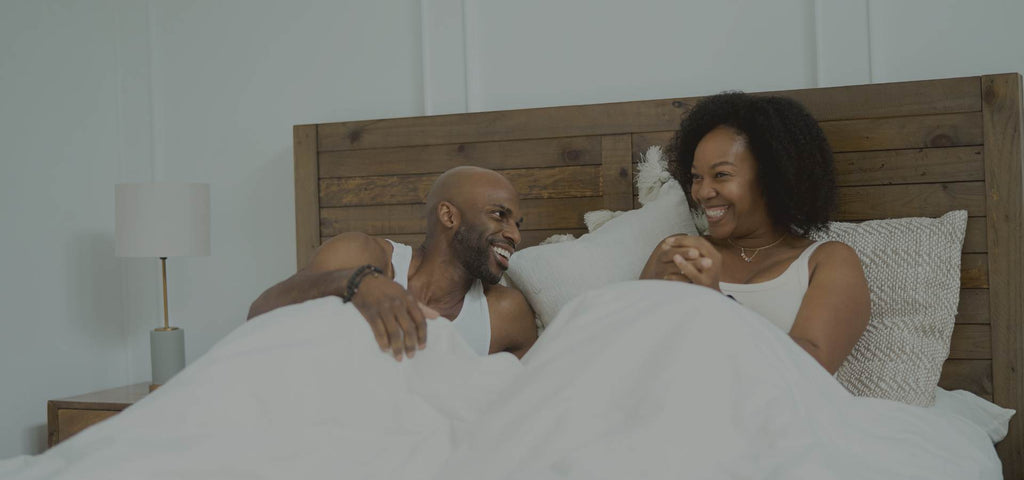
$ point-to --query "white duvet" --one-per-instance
(636, 380)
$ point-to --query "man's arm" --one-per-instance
(298, 288)
(395, 316)
(513, 325)
(327, 273)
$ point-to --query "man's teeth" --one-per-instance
(715, 212)
(501, 251)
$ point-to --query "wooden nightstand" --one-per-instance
(68, 416)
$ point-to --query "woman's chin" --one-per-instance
(717, 232)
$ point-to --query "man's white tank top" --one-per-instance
(474, 320)
(778, 299)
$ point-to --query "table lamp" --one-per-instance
(163, 220)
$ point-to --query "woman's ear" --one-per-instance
(448, 214)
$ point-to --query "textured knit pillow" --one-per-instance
(912, 267)
(551, 275)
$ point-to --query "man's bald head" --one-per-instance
(473, 216)
(466, 187)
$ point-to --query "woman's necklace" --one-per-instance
(743, 250)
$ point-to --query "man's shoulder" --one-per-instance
(501, 293)
(354, 240)
(350, 249)
(513, 324)
(507, 302)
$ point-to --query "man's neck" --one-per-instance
(438, 280)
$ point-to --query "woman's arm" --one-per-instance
(836, 308)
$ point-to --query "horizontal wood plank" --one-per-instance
(976, 237)
(973, 306)
(975, 376)
(530, 238)
(974, 270)
(558, 182)
(923, 165)
(949, 130)
(540, 214)
(372, 220)
(971, 342)
(961, 133)
(923, 200)
(836, 103)
(555, 152)
(534, 123)
(877, 100)
(884, 167)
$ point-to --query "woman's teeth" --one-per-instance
(714, 213)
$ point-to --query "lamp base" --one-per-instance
(167, 353)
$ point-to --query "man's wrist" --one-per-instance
(356, 278)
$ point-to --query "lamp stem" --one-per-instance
(167, 322)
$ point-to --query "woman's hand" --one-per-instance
(685, 258)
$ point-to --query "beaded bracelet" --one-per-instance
(356, 278)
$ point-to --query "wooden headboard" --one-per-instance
(902, 149)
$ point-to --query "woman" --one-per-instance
(761, 171)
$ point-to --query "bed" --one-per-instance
(902, 149)
(613, 388)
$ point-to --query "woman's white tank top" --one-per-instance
(778, 299)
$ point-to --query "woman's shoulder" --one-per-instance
(834, 254)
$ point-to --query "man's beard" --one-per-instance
(473, 252)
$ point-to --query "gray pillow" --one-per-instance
(912, 267)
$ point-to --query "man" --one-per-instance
(472, 230)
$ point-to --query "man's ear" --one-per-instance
(448, 215)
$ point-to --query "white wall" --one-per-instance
(230, 80)
(533, 53)
(61, 327)
(95, 92)
(914, 39)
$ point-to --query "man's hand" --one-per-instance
(398, 320)
(685, 258)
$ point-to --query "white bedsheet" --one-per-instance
(637, 380)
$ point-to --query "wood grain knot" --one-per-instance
(461, 148)
(623, 172)
(354, 136)
(572, 155)
(678, 104)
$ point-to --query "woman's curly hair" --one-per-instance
(795, 167)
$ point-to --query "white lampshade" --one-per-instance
(162, 219)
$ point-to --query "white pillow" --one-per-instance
(912, 266)
(551, 275)
(991, 418)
